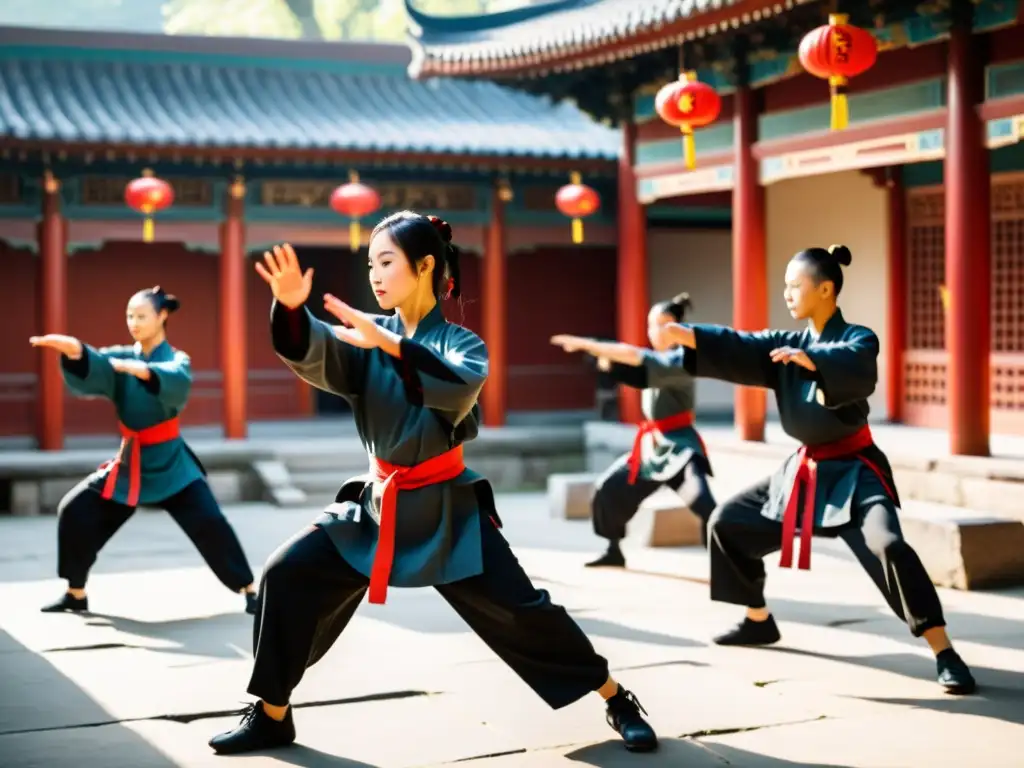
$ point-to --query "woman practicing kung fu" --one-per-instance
(420, 518)
(149, 385)
(667, 449)
(838, 484)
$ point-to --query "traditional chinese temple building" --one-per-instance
(926, 185)
(253, 137)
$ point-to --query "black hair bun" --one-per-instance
(444, 229)
(682, 300)
(841, 254)
(171, 302)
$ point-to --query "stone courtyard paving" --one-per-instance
(163, 662)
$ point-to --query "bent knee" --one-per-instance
(731, 516)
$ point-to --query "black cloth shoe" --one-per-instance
(624, 717)
(612, 558)
(252, 603)
(954, 675)
(750, 632)
(256, 732)
(68, 603)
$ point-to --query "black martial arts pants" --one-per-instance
(309, 593)
(616, 502)
(740, 536)
(87, 521)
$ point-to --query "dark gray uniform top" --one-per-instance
(406, 411)
(166, 468)
(816, 408)
(664, 456)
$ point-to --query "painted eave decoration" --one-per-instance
(564, 35)
(71, 94)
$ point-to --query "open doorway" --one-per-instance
(343, 272)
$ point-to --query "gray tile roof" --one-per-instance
(161, 98)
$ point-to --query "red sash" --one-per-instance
(668, 424)
(163, 432)
(807, 479)
(393, 479)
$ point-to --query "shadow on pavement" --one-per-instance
(35, 695)
(1000, 694)
(684, 752)
(307, 757)
(220, 636)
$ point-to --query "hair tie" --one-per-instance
(443, 228)
(449, 287)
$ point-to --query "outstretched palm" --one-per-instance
(66, 345)
(289, 284)
(361, 330)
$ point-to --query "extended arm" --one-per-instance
(91, 375)
(718, 352)
(311, 350)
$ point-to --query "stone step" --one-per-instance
(662, 520)
(963, 548)
(320, 482)
(960, 548)
(990, 484)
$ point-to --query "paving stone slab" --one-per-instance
(895, 740)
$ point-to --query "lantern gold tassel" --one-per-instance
(840, 106)
(577, 231)
(147, 224)
(689, 148)
(354, 235)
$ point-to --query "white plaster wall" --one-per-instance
(700, 262)
(814, 211)
(841, 208)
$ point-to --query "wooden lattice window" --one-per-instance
(926, 268)
(1008, 263)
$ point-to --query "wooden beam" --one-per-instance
(708, 160)
(591, 166)
(1008, 106)
(917, 122)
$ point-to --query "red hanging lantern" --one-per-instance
(354, 200)
(577, 201)
(148, 195)
(688, 103)
(836, 52)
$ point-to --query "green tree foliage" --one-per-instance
(381, 20)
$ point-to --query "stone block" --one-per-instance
(226, 486)
(287, 496)
(26, 498)
(967, 550)
(569, 495)
(663, 520)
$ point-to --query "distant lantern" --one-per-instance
(688, 103)
(148, 195)
(354, 200)
(577, 201)
(837, 52)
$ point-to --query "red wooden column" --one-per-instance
(749, 255)
(233, 339)
(495, 312)
(896, 343)
(633, 295)
(968, 245)
(53, 312)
